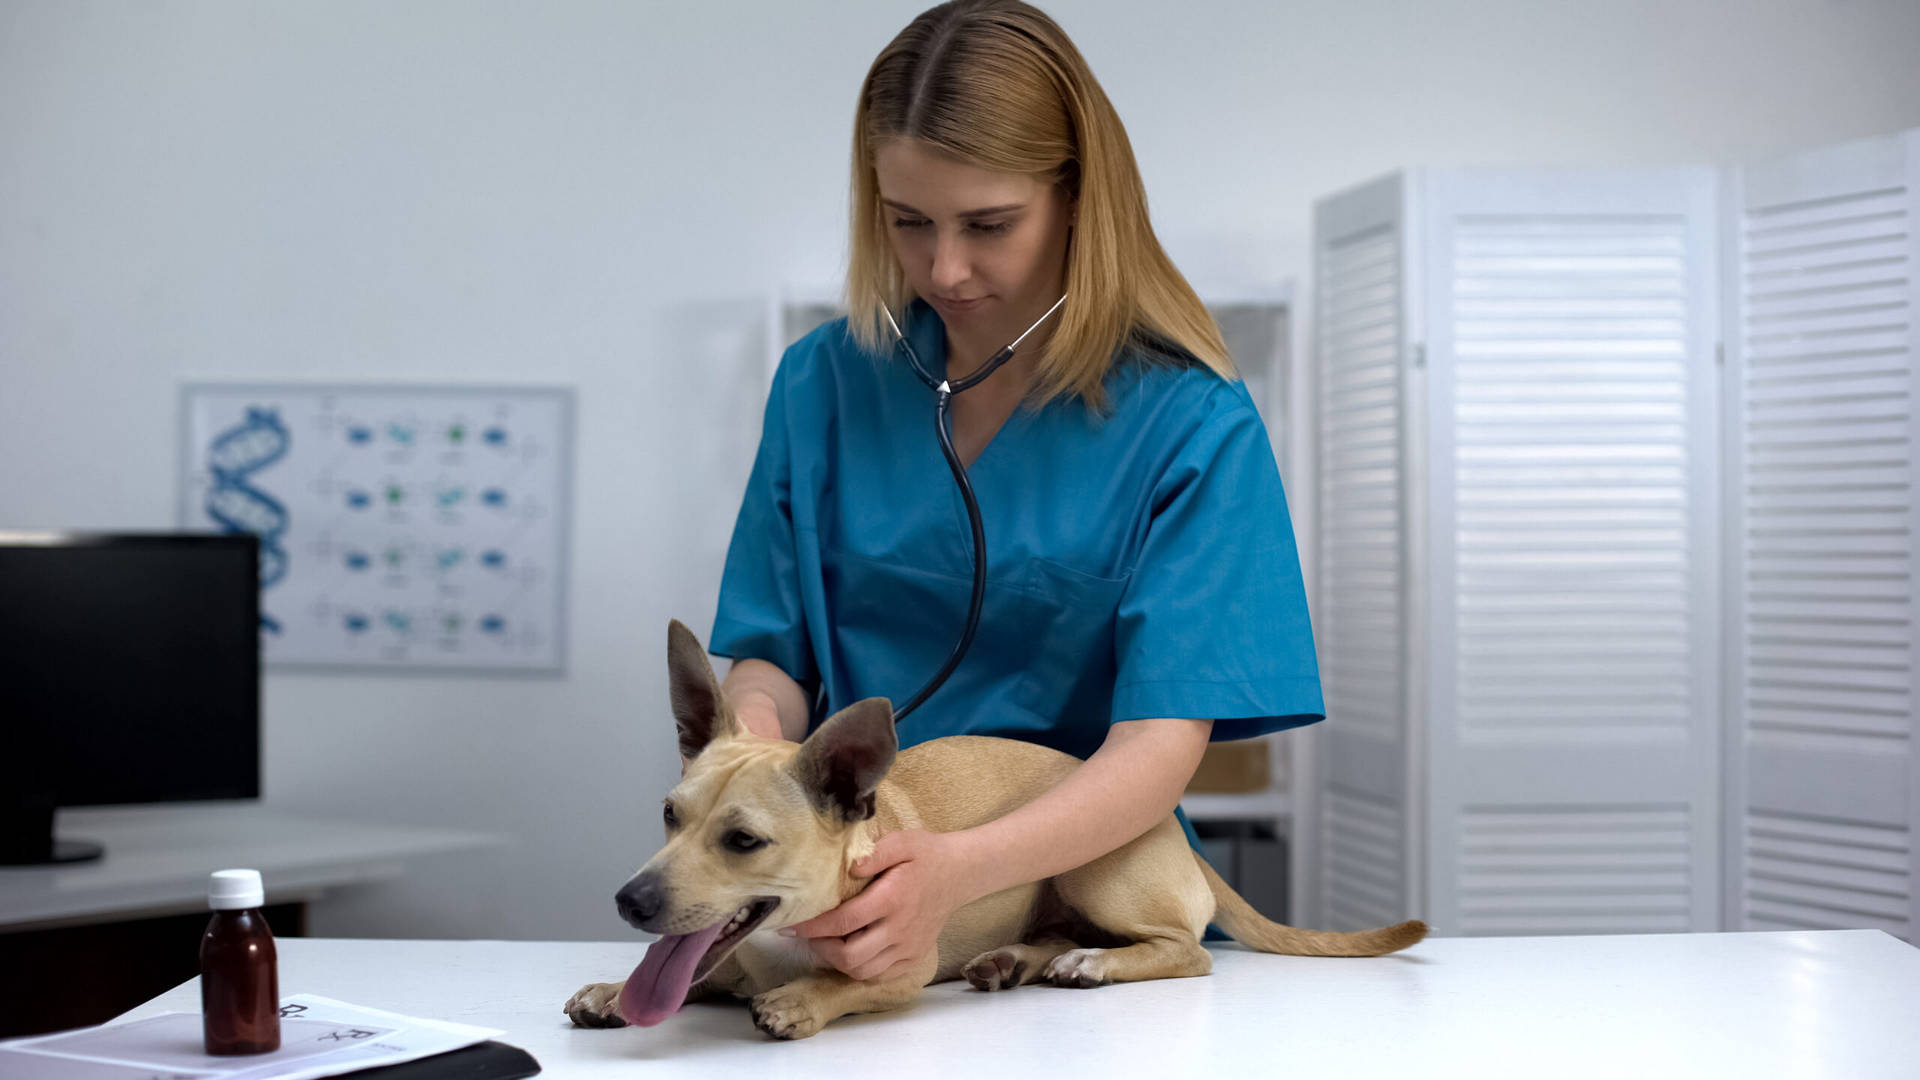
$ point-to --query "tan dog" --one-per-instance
(762, 833)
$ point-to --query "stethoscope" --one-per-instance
(943, 392)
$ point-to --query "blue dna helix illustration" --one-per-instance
(238, 452)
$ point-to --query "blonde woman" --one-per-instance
(1144, 593)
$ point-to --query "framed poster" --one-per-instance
(401, 527)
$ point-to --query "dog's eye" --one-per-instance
(670, 819)
(743, 842)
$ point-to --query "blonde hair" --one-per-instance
(998, 85)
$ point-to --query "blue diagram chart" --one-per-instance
(400, 527)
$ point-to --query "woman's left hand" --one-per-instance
(919, 878)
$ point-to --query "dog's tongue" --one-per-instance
(658, 987)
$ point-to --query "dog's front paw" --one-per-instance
(594, 1006)
(787, 1013)
(1078, 968)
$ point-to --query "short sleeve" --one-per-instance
(1213, 623)
(760, 614)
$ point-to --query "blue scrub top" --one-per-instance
(1139, 564)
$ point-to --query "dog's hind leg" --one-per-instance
(1148, 899)
(1174, 957)
(1014, 965)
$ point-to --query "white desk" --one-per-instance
(158, 859)
(1829, 1004)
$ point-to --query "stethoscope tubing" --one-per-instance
(943, 391)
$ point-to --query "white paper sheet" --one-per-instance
(318, 1037)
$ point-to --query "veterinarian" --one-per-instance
(1144, 592)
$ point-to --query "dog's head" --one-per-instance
(760, 832)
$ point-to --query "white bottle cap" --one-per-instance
(235, 889)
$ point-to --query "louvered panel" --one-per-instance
(1575, 869)
(1581, 435)
(1356, 849)
(1363, 880)
(1829, 497)
(1571, 490)
(1584, 401)
(1813, 873)
(1823, 520)
(1360, 455)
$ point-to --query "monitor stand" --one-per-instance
(26, 839)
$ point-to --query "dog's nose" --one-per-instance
(641, 900)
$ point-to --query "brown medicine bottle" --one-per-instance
(239, 980)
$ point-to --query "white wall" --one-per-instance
(601, 194)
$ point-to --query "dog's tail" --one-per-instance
(1237, 917)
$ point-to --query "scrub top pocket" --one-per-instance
(894, 625)
(1069, 671)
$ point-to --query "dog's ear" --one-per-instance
(698, 709)
(841, 763)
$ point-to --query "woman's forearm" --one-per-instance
(1128, 786)
(756, 688)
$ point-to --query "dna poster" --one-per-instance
(408, 527)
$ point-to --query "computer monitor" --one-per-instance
(129, 673)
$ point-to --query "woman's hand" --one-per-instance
(919, 879)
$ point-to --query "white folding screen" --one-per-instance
(1522, 699)
(1820, 445)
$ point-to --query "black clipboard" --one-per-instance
(489, 1060)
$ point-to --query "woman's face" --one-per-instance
(987, 249)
